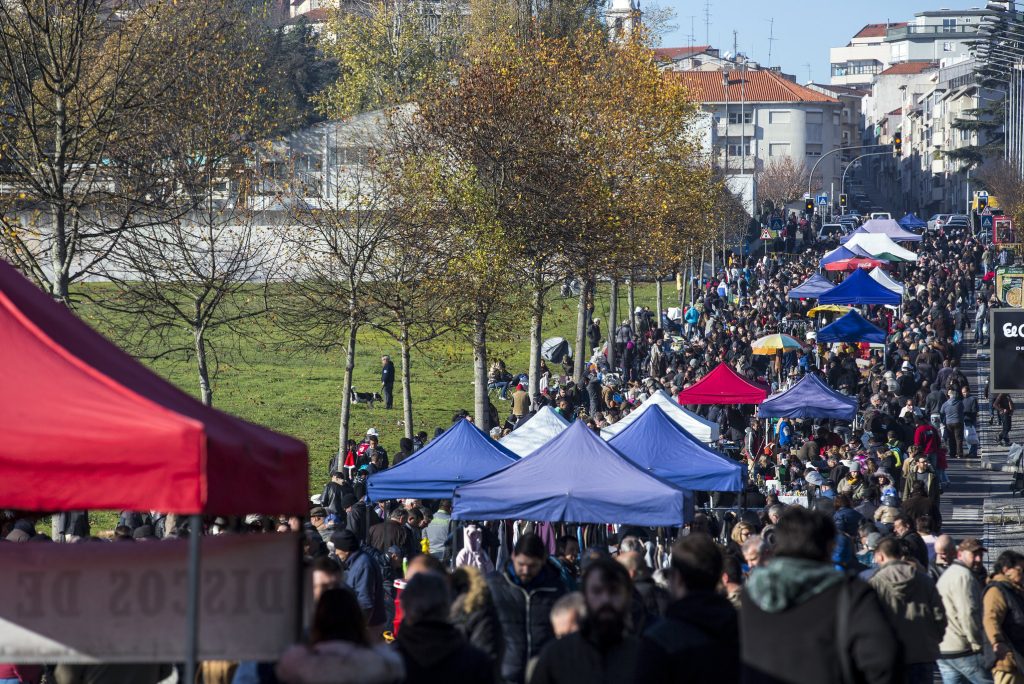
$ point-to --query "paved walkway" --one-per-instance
(978, 502)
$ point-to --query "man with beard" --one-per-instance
(601, 651)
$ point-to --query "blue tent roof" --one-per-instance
(576, 477)
(809, 398)
(851, 327)
(912, 221)
(842, 253)
(655, 443)
(859, 289)
(811, 288)
(461, 455)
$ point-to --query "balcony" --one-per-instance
(734, 130)
(930, 32)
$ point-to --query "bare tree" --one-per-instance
(783, 180)
(84, 83)
(339, 224)
(1003, 180)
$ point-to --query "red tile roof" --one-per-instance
(671, 53)
(313, 16)
(877, 30)
(753, 86)
(910, 68)
(896, 112)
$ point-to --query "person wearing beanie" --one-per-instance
(363, 576)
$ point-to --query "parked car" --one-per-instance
(958, 221)
(831, 232)
(937, 221)
(881, 215)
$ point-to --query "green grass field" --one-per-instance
(298, 392)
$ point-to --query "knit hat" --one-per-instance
(346, 540)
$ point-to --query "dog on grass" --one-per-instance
(368, 398)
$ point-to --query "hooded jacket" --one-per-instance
(473, 613)
(472, 553)
(916, 609)
(525, 612)
(788, 627)
(434, 651)
(339, 662)
(699, 636)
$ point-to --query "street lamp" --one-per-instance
(810, 176)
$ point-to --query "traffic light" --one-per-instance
(842, 199)
(897, 142)
(982, 202)
(809, 205)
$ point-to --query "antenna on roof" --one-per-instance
(771, 39)
(692, 38)
(707, 22)
(808, 71)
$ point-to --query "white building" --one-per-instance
(935, 35)
(759, 115)
(865, 55)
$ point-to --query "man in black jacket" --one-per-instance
(524, 592)
(387, 380)
(602, 650)
(801, 620)
(698, 641)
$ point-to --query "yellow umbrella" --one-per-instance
(835, 308)
(769, 344)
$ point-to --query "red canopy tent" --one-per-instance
(723, 385)
(85, 426)
(854, 264)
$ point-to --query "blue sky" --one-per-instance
(803, 31)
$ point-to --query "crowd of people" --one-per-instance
(856, 583)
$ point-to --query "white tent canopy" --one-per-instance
(883, 279)
(879, 245)
(703, 430)
(540, 429)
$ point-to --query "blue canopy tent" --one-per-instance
(655, 443)
(851, 328)
(811, 288)
(576, 477)
(459, 456)
(911, 221)
(809, 398)
(859, 289)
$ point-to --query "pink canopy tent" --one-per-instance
(723, 385)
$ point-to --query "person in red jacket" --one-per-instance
(927, 439)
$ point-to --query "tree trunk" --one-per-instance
(582, 320)
(631, 302)
(346, 386)
(613, 322)
(536, 329)
(406, 382)
(205, 390)
(659, 301)
(481, 405)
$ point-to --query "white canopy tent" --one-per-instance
(540, 429)
(704, 430)
(883, 279)
(882, 246)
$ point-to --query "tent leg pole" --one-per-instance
(195, 535)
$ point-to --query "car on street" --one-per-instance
(958, 222)
(937, 221)
(881, 215)
(831, 232)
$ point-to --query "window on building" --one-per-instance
(839, 69)
(737, 149)
(814, 117)
(747, 116)
(813, 150)
(341, 156)
(778, 149)
(814, 132)
(948, 46)
(949, 25)
(778, 117)
(835, 118)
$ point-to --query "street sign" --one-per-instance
(1003, 233)
(776, 223)
(986, 221)
(1006, 332)
(822, 200)
(766, 234)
